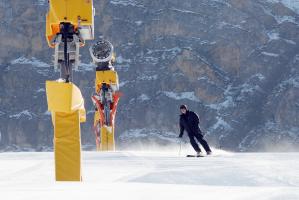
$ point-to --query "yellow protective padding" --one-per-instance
(96, 118)
(107, 136)
(107, 139)
(109, 77)
(67, 146)
(65, 98)
(66, 104)
(107, 133)
(76, 12)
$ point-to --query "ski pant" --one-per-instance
(201, 140)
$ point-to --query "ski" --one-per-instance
(195, 156)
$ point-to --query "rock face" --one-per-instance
(235, 62)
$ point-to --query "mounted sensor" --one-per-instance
(101, 51)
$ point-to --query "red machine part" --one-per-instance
(100, 108)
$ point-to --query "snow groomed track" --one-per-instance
(152, 175)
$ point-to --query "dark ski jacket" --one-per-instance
(190, 123)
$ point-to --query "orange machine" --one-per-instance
(106, 95)
(68, 24)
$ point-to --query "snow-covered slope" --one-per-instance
(152, 175)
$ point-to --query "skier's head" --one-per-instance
(183, 109)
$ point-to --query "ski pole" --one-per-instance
(180, 147)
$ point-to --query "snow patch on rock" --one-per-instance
(26, 113)
(29, 61)
(121, 60)
(126, 3)
(227, 102)
(184, 11)
(273, 35)
(41, 2)
(41, 90)
(221, 124)
(147, 78)
(143, 97)
(180, 96)
(291, 4)
(2, 113)
(270, 54)
(294, 82)
(123, 83)
(42, 67)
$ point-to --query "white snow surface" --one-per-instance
(154, 175)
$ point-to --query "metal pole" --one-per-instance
(180, 147)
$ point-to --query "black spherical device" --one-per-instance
(101, 51)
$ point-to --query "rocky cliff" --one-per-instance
(235, 62)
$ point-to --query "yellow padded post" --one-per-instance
(64, 97)
(67, 146)
(111, 142)
(67, 107)
(107, 139)
(104, 140)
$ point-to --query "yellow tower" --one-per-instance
(106, 95)
(104, 117)
(68, 24)
(67, 108)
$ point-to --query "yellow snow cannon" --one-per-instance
(106, 95)
(68, 24)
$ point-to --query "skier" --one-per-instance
(189, 121)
